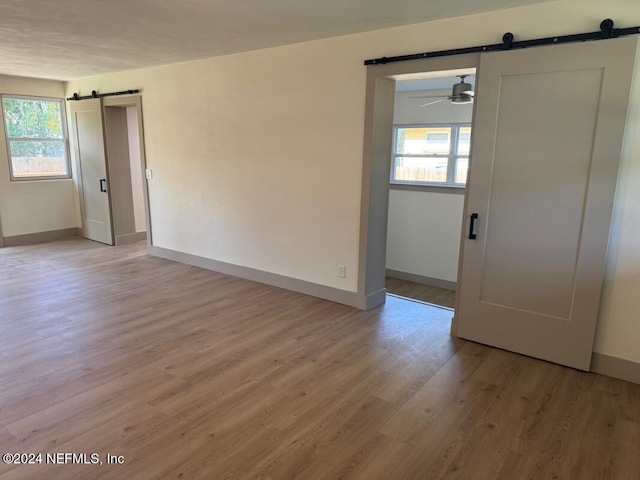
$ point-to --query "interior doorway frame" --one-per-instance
(376, 165)
(136, 101)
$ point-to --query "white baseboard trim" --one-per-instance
(40, 237)
(615, 367)
(131, 238)
(413, 277)
(301, 286)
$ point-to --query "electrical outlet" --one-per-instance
(148, 173)
(342, 271)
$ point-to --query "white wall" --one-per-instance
(257, 157)
(136, 169)
(618, 332)
(407, 110)
(423, 233)
(39, 205)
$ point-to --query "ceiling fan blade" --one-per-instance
(435, 101)
(471, 93)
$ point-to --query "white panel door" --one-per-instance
(546, 146)
(88, 143)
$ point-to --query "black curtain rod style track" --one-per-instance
(95, 94)
(606, 31)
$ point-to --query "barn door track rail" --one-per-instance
(606, 31)
(95, 94)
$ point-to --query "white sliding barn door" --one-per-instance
(88, 143)
(546, 146)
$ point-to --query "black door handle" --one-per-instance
(103, 188)
(472, 226)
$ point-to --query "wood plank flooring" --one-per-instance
(190, 374)
(423, 293)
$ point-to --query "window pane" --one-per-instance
(32, 118)
(464, 140)
(421, 169)
(462, 166)
(38, 159)
(423, 140)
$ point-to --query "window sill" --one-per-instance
(421, 187)
(39, 179)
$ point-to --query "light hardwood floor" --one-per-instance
(421, 292)
(190, 374)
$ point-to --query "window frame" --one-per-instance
(64, 140)
(452, 157)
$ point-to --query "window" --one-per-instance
(431, 154)
(36, 137)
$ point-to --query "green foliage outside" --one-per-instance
(34, 119)
(400, 140)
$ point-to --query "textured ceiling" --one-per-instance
(67, 39)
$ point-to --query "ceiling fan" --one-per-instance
(461, 94)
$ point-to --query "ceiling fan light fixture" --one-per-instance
(462, 94)
(461, 100)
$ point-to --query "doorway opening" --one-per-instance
(378, 150)
(125, 164)
(107, 135)
(429, 166)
